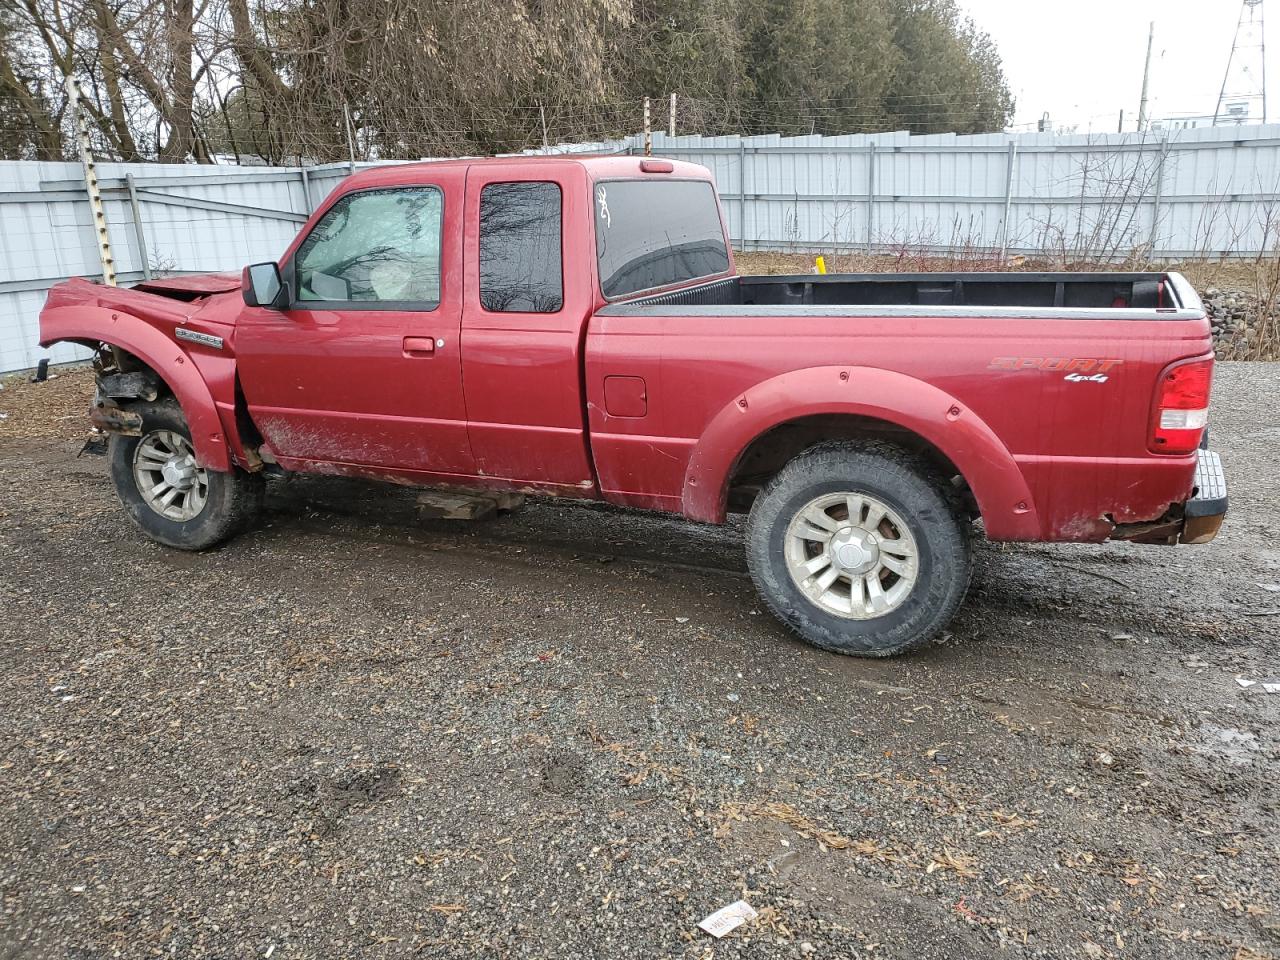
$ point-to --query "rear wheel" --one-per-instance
(858, 549)
(174, 500)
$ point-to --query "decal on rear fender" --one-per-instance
(1075, 369)
(1082, 378)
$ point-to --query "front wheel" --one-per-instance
(858, 549)
(174, 500)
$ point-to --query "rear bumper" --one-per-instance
(1196, 520)
(1203, 514)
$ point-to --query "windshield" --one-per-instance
(654, 233)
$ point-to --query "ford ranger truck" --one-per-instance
(574, 327)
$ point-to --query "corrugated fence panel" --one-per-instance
(46, 233)
(1204, 192)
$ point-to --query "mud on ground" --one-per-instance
(573, 732)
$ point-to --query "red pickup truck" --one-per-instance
(575, 327)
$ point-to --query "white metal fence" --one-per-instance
(1204, 192)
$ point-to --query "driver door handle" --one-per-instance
(419, 346)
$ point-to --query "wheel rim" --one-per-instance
(852, 555)
(167, 476)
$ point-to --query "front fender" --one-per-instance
(998, 485)
(84, 323)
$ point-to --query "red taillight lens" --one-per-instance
(1182, 406)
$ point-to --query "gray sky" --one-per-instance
(1082, 61)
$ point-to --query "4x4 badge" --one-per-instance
(1081, 378)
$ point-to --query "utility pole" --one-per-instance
(102, 235)
(648, 130)
(1143, 120)
(1244, 86)
(671, 120)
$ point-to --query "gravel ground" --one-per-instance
(573, 732)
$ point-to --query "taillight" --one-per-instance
(1182, 406)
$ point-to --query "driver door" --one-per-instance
(363, 367)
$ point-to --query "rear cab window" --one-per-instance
(656, 233)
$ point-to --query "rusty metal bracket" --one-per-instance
(104, 415)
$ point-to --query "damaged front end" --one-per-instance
(118, 382)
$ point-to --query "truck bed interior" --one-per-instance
(1092, 291)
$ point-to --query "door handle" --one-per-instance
(419, 346)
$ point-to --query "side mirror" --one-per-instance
(262, 287)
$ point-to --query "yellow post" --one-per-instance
(821, 264)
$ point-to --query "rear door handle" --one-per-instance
(419, 346)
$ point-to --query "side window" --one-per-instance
(520, 262)
(375, 246)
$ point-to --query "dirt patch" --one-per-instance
(54, 410)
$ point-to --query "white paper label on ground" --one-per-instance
(728, 918)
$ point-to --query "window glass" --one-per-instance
(375, 245)
(652, 233)
(520, 248)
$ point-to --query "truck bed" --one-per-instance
(1109, 295)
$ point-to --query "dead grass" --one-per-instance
(781, 812)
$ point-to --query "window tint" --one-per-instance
(375, 245)
(652, 233)
(520, 248)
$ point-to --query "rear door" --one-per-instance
(527, 302)
(363, 367)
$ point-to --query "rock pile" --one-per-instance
(1236, 317)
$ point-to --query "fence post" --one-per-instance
(351, 137)
(742, 194)
(648, 131)
(306, 188)
(1159, 197)
(102, 235)
(671, 119)
(139, 233)
(871, 193)
(1008, 199)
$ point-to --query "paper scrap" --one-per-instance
(727, 919)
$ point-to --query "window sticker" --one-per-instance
(602, 198)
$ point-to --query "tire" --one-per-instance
(898, 597)
(227, 502)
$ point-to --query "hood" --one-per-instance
(192, 286)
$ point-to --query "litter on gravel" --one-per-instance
(727, 919)
(1268, 686)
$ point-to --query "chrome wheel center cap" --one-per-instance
(854, 550)
(179, 472)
